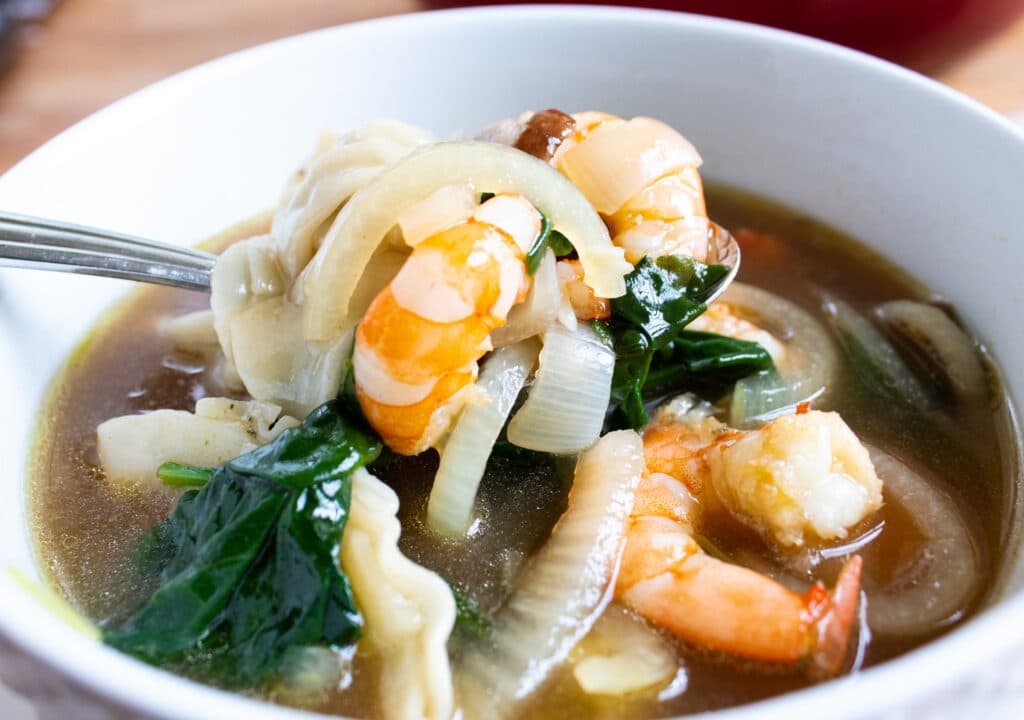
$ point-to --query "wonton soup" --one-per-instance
(457, 431)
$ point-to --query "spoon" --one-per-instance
(38, 244)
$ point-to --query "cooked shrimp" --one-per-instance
(800, 475)
(799, 478)
(666, 577)
(585, 304)
(641, 175)
(417, 346)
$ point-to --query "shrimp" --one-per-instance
(666, 577)
(585, 304)
(695, 464)
(641, 175)
(417, 346)
(798, 479)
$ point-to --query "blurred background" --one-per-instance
(61, 60)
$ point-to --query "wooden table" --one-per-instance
(91, 52)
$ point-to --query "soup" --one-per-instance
(848, 341)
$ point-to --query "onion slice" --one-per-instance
(565, 587)
(807, 368)
(538, 311)
(874, 358)
(330, 279)
(566, 407)
(623, 655)
(936, 336)
(942, 579)
(465, 454)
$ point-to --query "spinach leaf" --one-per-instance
(324, 447)
(540, 245)
(177, 475)
(663, 296)
(250, 560)
(548, 238)
(560, 244)
(704, 363)
(654, 354)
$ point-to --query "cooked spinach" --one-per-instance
(560, 245)
(540, 245)
(654, 353)
(177, 475)
(248, 564)
(705, 363)
(548, 238)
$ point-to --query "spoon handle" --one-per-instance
(30, 242)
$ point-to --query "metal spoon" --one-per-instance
(31, 242)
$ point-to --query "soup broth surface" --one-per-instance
(86, 528)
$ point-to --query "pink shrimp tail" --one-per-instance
(834, 620)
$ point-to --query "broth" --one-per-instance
(84, 528)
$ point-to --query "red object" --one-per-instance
(924, 34)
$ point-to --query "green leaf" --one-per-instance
(177, 475)
(485, 196)
(663, 297)
(560, 244)
(323, 447)
(548, 238)
(248, 565)
(654, 354)
(540, 245)
(219, 532)
(705, 363)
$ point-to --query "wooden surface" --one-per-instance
(91, 52)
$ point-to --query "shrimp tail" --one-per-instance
(833, 619)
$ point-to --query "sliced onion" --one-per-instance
(623, 655)
(132, 447)
(341, 164)
(565, 587)
(192, 331)
(332, 275)
(565, 409)
(538, 311)
(275, 362)
(441, 209)
(806, 370)
(942, 580)
(941, 341)
(254, 281)
(873, 357)
(465, 454)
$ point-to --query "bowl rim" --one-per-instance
(142, 688)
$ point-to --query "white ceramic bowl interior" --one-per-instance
(924, 175)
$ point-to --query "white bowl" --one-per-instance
(925, 175)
